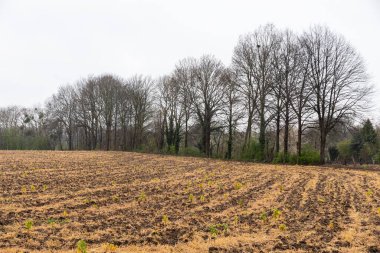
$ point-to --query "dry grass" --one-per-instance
(117, 201)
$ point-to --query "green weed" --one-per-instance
(238, 185)
(282, 227)
(81, 246)
(165, 220)
(28, 224)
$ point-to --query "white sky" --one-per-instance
(48, 43)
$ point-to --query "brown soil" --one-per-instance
(210, 205)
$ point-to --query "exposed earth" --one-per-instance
(132, 202)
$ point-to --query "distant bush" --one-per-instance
(367, 153)
(14, 139)
(364, 144)
(252, 152)
(282, 158)
(333, 153)
(344, 148)
(190, 151)
(309, 156)
(377, 158)
(171, 150)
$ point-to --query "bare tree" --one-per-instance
(300, 95)
(232, 110)
(287, 65)
(184, 77)
(244, 64)
(207, 95)
(88, 114)
(107, 90)
(267, 40)
(63, 106)
(9, 117)
(338, 80)
(172, 110)
(125, 111)
(141, 88)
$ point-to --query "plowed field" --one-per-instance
(130, 202)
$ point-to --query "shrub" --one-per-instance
(309, 156)
(190, 151)
(281, 158)
(252, 152)
(367, 153)
(171, 150)
(377, 158)
(344, 148)
(333, 153)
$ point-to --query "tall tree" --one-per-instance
(172, 110)
(300, 95)
(184, 77)
(107, 90)
(287, 67)
(207, 95)
(267, 40)
(338, 80)
(62, 107)
(244, 65)
(141, 101)
(232, 109)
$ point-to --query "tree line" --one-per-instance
(284, 95)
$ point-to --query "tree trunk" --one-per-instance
(286, 130)
(262, 130)
(115, 133)
(248, 132)
(206, 137)
(100, 137)
(108, 136)
(322, 147)
(299, 137)
(278, 119)
(230, 129)
(229, 143)
(208, 142)
(70, 140)
(186, 131)
(177, 138)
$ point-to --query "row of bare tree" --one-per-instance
(278, 83)
(102, 112)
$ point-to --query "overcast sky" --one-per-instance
(48, 43)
